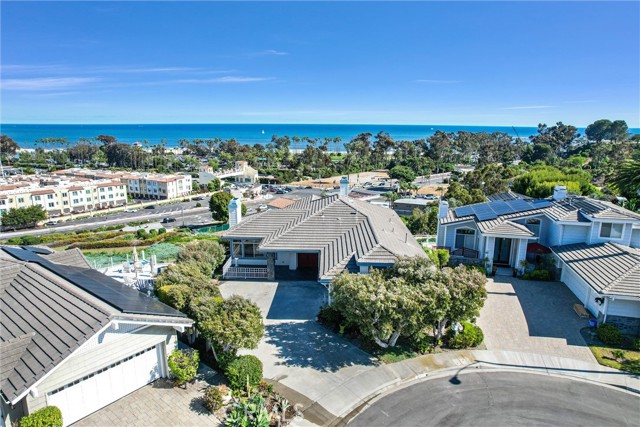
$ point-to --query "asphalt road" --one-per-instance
(179, 210)
(502, 399)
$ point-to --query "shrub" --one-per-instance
(618, 354)
(480, 268)
(183, 365)
(443, 257)
(198, 205)
(212, 398)
(31, 240)
(153, 232)
(245, 371)
(635, 344)
(537, 275)
(142, 234)
(470, 336)
(330, 317)
(162, 230)
(45, 417)
(609, 334)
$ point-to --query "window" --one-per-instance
(65, 203)
(250, 249)
(64, 194)
(20, 199)
(51, 204)
(611, 231)
(111, 196)
(88, 199)
(102, 190)
(75, 201)
(49, 196)
(74, 193)
(37, 198)
(237, 249)
(3, 202)
(88, 191)
(534, 226)
(465, 238)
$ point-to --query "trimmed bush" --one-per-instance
(635, 344)
(609, 334)
(45, 417)
(212, 399)
(162, 230)
(244, 371)
(443, 257)
(183, 365)
(542, 275)
(330, 317)
(470, 336)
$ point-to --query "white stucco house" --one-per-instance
(74, 338)
(585, 236)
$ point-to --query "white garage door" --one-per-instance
(92, 392)
(580, 290)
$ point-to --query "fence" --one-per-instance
(212, 229)
(233, 272)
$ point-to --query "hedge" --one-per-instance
(45, 417)
(244, 371)
(537, 275)
(470, 336)
(609, 334)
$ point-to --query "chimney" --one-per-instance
(559, 192)
(344, 186)
(443, 209)
(235, 212)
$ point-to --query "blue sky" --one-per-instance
(503, 63)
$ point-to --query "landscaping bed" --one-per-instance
(624, 357)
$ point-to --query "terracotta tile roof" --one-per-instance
(41, 192)
(281, 202)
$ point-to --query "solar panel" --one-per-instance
(36, 250)
(500, 207)
(520, 205)
(122, 297)
(541, 204)
(483, 212)
(464, 211)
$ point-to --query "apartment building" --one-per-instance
(139, 185)
(63, 196)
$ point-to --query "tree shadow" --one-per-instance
(309, 345)
(197, 405)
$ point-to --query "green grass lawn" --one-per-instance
(630, 362)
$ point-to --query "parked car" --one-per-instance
(168, 220)
(198, 198)
(281, 192)
(150, 207)
(131, 210)
(308, 187)
(51, 223)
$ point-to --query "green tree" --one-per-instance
(183, 365)
(382, 308)
(598, 130)
(421, 222)
(402, 174)
(206, 253)
(233, 323)
(219, 206)
(178, 284)
(23, 217)
(8, 147)
(214, 185)
(626, 178)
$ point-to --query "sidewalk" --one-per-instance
(344, 398)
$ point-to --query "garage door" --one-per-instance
(86, 395)
(580, 290)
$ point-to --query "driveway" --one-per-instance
(159, 404)
(305, 360)
(535, 317)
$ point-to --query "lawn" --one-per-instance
(630, 362)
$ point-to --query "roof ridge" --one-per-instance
(366, 215)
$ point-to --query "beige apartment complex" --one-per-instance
(140, 185)
(62, 197)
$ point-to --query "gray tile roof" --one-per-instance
(501, 227)
(44, 318)
(59, 319)
(334, 226)
(608, 268)
(70, 257)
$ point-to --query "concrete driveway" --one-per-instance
(305, 360)
(534, 317)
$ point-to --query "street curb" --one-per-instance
(394, 386)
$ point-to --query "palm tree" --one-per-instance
(626, 178)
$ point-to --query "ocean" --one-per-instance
(26, 135)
